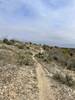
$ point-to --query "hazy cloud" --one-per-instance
(39, 20)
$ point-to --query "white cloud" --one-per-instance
(43, 23)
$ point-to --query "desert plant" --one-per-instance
(45, 57)
(29, 53)
(51, 47)
(39, 55)
(57, 76)
(71, 64)
(5, 40)
(66, 52)
(68, 80)
(71, 54)
(20, 46)
(55, 58)
(27, 47)
(46, 47)
(25, 59)
(8, 42)
(12, 41)
(56, 47)
(64, 79)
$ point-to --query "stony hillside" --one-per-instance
(36, 72)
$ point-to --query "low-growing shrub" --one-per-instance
(69, 81)
(64, 79)
(46, 47)
(12, 41)
(44, 57)
(8, 42)
(40, 55)
(20, 46)
(5, 41)
(71, 64)
(57, 76)
(71, 54)
(55, 58)
(66, 50)
(25, 59)
(27, 47)
(56, 47)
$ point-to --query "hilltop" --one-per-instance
(30, 71)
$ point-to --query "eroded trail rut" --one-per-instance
(45, 93)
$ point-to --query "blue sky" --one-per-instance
(45, 21)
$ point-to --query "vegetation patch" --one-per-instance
(71, 64)
(64, 79)
(25, 59)
(44, 57)
(8, 42)
(20, 46)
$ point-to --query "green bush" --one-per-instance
(44, 57)
(8, 42)
(5, 40)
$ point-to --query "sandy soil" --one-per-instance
(45, 92)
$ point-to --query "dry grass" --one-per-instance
(18, 79)
(64, 79)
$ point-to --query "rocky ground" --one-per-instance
(25, 76)
(17, 80)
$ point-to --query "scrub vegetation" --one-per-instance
(30, 71)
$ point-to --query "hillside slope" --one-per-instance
(35, 72)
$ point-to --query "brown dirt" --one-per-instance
(45, 92)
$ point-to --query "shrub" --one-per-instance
(12, 41)
(66, 51)
(55, 58)
(69, 81)
(5, 40)
(39, 55)
(25, 59)
(28, 47)
(8, 42)
(71, 54)
(46, 47)
(51, 47)
(20, 46)
(44, 57)
(71, 64)
(57, 76)
(64, 79)
(56, 47)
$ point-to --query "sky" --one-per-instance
(43, 21)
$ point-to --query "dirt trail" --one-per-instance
(45, 92)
